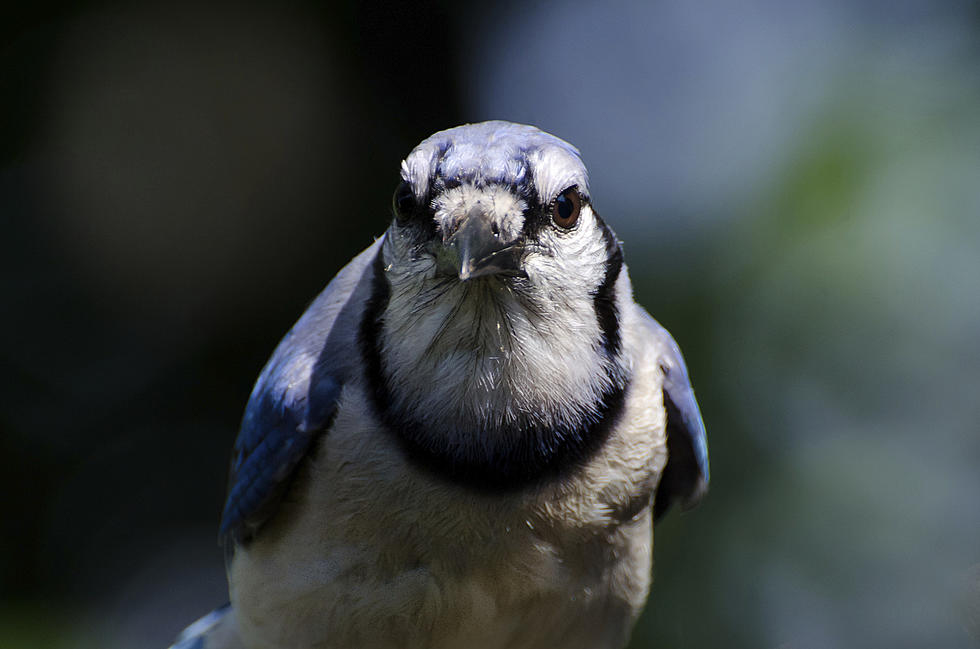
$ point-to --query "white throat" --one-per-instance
(483, 356)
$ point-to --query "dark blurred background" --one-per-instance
(797, 186)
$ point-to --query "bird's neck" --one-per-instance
(482, 386)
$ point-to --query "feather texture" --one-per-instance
(466, 438)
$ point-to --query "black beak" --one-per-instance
(481, 249)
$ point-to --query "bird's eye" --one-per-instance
(403, 202)
(566, 208)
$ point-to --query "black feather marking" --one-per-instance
(605, 295)
(536, 214)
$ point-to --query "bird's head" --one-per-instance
(497, 310)
(490, 199)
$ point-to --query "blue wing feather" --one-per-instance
(685, 478)
(293, 403)
(282, 419)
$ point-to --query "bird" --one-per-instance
(466, 439)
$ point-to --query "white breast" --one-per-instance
(369, 551)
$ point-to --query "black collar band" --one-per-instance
(529, 456)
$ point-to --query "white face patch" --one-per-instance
(557, 169)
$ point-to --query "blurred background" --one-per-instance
(797, 186)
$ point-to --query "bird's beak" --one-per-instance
(480, 250)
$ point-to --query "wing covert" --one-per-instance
(685, 478)
(283, 417)
(293, 402)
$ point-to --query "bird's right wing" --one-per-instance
(294, 400)
(685, 478)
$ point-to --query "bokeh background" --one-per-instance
(797, 185)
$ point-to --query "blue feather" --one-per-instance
(685, 478)
(292, 404)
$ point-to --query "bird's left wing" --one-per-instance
(685, 478)
(294, 401)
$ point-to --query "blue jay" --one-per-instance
(467, 437)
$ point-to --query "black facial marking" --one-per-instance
(537, 215)
(605, 296)
(525, 456)
(443, 184)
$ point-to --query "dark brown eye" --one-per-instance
(566, 208)
(403, 203)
